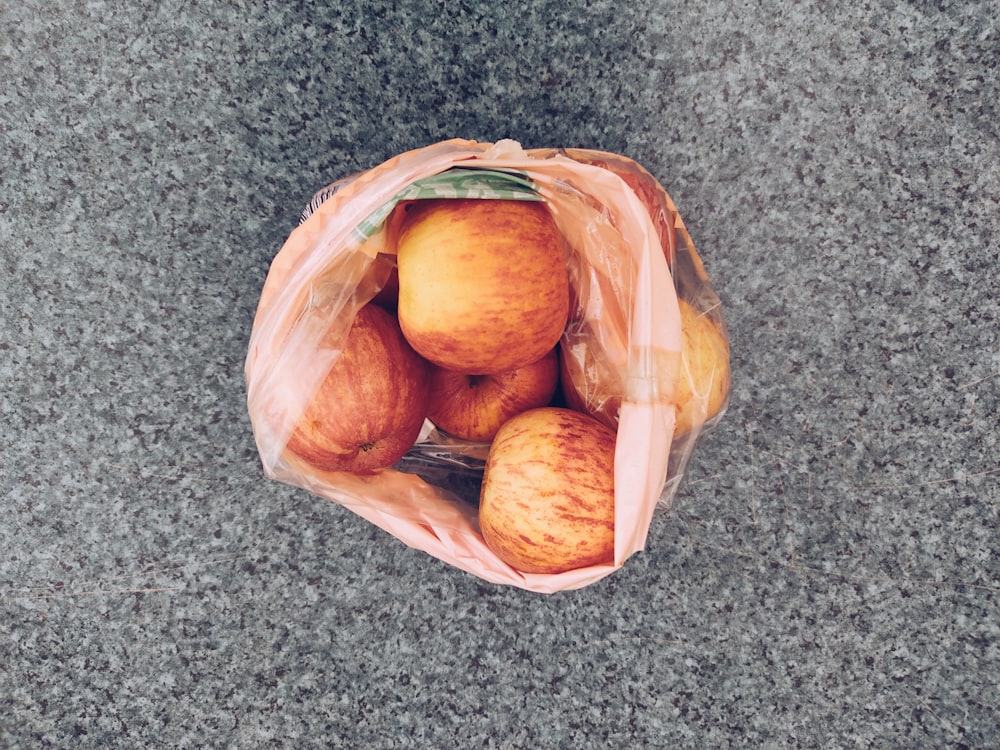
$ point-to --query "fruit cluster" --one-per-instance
(466, 334)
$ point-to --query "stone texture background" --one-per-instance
(829, 577)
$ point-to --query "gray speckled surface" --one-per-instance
(830, 575)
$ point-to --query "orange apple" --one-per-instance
(370, 407)
(547, 503)
(473, 407)
(483, 285)
(589, 385)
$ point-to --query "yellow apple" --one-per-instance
(703, 384)
(473, 407)
(483, 285)
(590, 386)
(547, 503)
(372, 403)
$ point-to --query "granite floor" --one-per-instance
(830, 574)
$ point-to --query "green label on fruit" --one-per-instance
(457, 182)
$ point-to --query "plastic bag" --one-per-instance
(630, 259)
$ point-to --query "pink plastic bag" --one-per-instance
(630, 259)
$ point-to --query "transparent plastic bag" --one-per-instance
(630, 259)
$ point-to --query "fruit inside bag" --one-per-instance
(637, 290)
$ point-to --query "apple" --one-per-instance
(704, 379)
(483, 284)
(590, 386)
(473, 407)
(371, 405)
(547, 503)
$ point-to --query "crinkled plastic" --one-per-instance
(630, 258)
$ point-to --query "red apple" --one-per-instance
(370, 407)
(547, 503)
(473, 407)
(483, 285)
